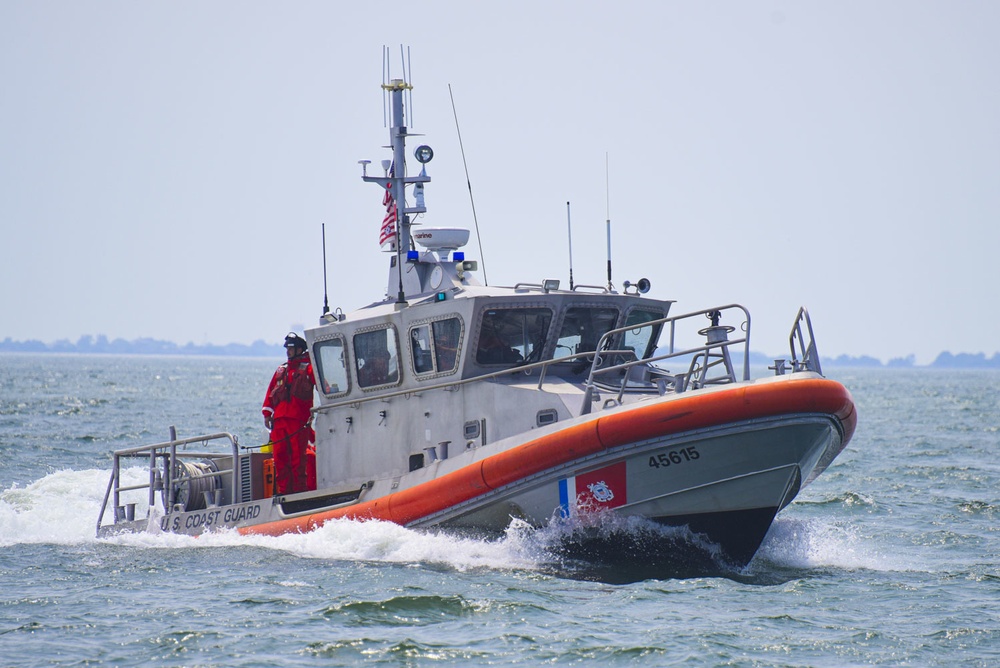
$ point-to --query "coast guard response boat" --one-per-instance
(457, 405)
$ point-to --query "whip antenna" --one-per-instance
(569, 233)
(326, 303)
(385, 80)
(407, 77)
(475, 220)
(607, 190)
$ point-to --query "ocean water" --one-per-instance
(891, 558)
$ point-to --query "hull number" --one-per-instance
(674, 457)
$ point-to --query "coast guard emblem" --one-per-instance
(593, 491)
(602, 493)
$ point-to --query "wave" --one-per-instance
(811, 544)
(61, 509)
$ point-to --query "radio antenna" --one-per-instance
(385, 80)
(407, 65)
(607, 190)
(326, 303)
(569, 233)
(482, 258)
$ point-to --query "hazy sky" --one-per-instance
(165, 167)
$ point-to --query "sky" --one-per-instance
(166, 167)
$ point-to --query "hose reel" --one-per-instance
(189, 485)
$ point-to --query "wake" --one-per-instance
(61, 509)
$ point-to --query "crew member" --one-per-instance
(287, 413)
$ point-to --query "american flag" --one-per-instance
(387, 235)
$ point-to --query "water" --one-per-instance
(891, 558)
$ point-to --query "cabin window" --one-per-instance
(332, 366)
(434, 346)
(582, 328)
(511, 336)
(420, 349)
(642, 339)
(546, 417)
(447, 336)
(376, 357)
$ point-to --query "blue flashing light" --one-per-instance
(440, 297)
(458, 256)
(412, 256)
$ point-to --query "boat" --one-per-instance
(456, 405)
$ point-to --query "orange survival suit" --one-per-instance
(286, 410)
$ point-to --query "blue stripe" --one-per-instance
(564, 497)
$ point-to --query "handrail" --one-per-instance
(673, 320)
(595, 356)
(810, 355)
(525, 368)
(166, 450)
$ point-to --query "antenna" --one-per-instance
(408, 77)
(607, 190)
(385, 80)
(569, 233)
(402, 64)
(482, 258)
(326, 303)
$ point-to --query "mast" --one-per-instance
(397, 135)
(395, 181)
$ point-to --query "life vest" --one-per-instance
(290, 393)
(291, 382)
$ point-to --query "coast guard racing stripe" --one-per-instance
(593, 491)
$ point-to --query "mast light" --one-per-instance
(423, 154)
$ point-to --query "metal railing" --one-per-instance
(704, 357)
(526, 369)
(801, 347)
(714, 353)
(167, 453)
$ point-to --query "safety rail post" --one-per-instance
(116, 477)
(104, 503)
(152, 478)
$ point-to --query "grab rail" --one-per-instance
(525, 369)
(167, 451)
(717, 340)
(808, 351)
(596, 358)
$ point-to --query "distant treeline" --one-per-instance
(101, 344)
(945, 360)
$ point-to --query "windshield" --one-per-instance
(582, 328)
(511, 336)
(642, 339)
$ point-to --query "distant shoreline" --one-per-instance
(101, 345)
